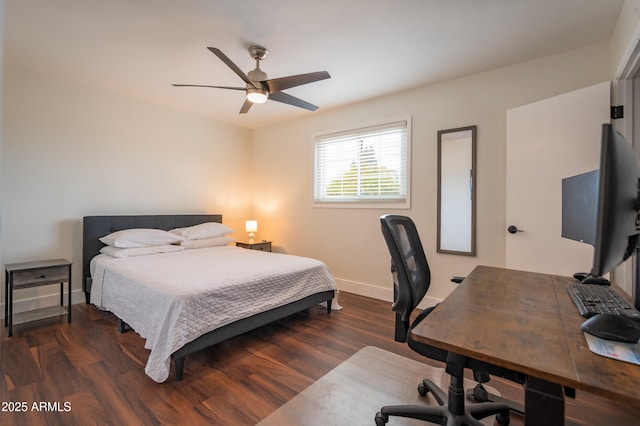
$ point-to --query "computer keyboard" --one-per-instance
(592, 299)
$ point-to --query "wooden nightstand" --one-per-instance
(35, 274)
(256, 245)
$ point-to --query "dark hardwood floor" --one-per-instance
(87, 373)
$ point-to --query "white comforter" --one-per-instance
(171, 299)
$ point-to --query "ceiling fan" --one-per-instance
(259, 88)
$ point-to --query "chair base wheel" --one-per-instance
(381, 419)
(480, 394)
(503, 419)
(422, 389)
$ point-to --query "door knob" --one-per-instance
(513, 229)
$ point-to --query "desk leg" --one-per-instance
(544, 403)
(69, 297)
(10, 303)
(6, 298)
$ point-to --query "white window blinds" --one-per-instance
(367, 165)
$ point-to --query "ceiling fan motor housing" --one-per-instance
(257, 75)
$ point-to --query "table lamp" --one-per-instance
(251, 226)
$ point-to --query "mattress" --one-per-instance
(170, 299)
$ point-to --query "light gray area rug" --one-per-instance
(353, 392)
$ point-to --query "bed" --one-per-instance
(173, 336)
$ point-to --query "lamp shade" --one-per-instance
(251, 225)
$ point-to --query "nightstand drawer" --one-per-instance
(41, 276)
(260, 246)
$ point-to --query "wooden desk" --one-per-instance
(527, 322)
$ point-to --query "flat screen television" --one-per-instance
(579, 207)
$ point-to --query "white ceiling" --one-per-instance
(370, 47)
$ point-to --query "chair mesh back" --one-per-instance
(411, 274)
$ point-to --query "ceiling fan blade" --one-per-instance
(231, 65)
(285, 98)
(211, 87)
(282, 83)
(245, 107)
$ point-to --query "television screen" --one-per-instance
(579, 207)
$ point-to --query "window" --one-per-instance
(367, 167)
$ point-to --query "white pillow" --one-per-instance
(208, 242)
(139, 251)
(140, 237)
(202, 231)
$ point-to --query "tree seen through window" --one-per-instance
(365, 177)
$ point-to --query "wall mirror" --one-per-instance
(457, 191)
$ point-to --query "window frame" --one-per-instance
(362, 202)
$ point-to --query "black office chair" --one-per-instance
(411, 278)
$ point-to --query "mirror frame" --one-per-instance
(472, 183)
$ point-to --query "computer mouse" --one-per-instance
(613, 327)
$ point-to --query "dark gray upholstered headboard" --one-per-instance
(95, 227)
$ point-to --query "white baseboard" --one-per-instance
(24, 305)
(375, 292)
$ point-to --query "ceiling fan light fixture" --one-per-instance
(257, 95)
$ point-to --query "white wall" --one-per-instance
(625, 37)
(624, 60)
(71, 151)
(1, 126)
(349, 240)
